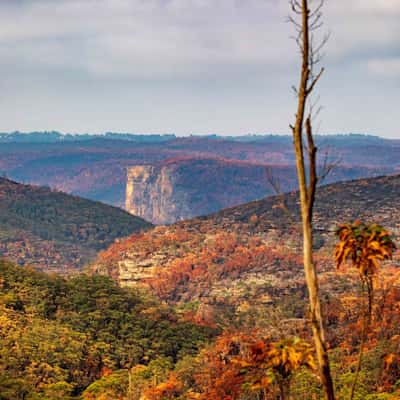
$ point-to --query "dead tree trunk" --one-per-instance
(308, 179)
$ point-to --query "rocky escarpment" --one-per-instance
(179, 189)
(249, 251)
(155, 192)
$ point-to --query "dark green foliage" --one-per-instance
(58, 334)
(36, 220)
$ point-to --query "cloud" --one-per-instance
(173, 39)
(362, 28)
(389, 68)
(203, 63)
(144, 39)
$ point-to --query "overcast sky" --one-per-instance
(192, 66)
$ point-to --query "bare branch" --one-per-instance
(296, 6)
(317, 9)
(273, 180)
(327, 166)
(312, 153)
(294, 22)
(276, 186)
(311, 87)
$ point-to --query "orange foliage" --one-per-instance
(165, 390)
(225, 255)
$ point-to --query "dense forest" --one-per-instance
(87, 338)
(62, 339)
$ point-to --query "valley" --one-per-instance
(157, 306)
(217, 215)
(192, 176)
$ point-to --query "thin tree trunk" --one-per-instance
(366, 291)
(307, 194)
(282, 389)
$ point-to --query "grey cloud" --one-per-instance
(385, 67)
(204, 64)
(144, 39)
(181, 38)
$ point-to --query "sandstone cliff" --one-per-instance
(178, 189)
(154, 192)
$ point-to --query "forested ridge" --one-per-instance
(217, 310)
(55, 231)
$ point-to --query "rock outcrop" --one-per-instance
(180, 189)
(183, 188)
(251, 252)
(154, 191)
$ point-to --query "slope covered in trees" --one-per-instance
(238, 271)
(59, 336)
(55, 231)
(241, 269)
(202, 257)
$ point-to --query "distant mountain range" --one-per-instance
(54, 231)
(95, 166)
(54, 137)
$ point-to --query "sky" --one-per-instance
(192, 66)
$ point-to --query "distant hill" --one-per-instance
(248, 253)
(95, 166)
(183, 188)
(54, 231)
(54, 137)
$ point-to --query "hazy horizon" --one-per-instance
(197, 134)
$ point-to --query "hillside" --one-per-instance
(183, 188)
(55, 231)
(250, 252)
(241, 269)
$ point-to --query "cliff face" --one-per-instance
(179, 189)
(154, 192)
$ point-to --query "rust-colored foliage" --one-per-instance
(167, 390)
(364, 245)
(290, 354)
(241, 363)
